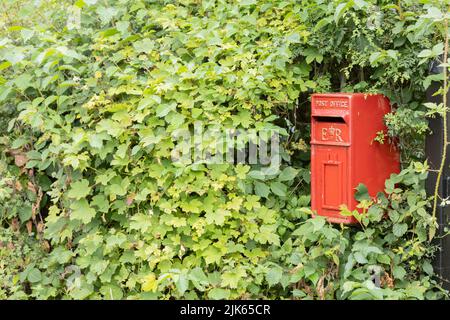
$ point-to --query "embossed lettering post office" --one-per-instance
(344, 153)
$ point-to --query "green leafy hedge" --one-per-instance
(87, 168)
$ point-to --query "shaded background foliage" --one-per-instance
(86, 170)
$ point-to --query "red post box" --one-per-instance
(344, 153)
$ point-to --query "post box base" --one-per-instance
(338, 220)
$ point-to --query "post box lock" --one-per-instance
(343, 153)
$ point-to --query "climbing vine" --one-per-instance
(443, 114)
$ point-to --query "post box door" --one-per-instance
(331, 179)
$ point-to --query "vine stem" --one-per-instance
(444, 120)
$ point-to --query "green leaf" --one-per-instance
(258, 175)
(241, 171)
(288, 174)
(219, 294)
(428, 268)
(212, 255)
(340, 10)
(182, 284)
(150, 283)
(384, 258)
(434, 13)
(360, 257)
(322, 23)
(217, 216)
(375, 57)
(280, 189)
(101, 202)
(79, 189)
(82, 211)
(400, 229)
(361, 193)
(247, 2)
(140, 221)
(145, 45)
(425, 53)
(34, 275)
(111, 292)
(106, 14)
(261, 189)
(23, 82)
(4, 92)
(399, 272)
(232, 278)
(318, 223)
(163, 109)
(25, 213)
(274, 275)
(5, 65)
(267, 234)
(198, 278)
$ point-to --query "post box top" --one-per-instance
(340, 99)
(341, 102)
(346, 94)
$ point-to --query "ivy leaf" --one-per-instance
(34, 275)
(375, 57)
(163, 109)
(399, 272)
(111, 292)
(106, 14)
(23, 82)
(360, 257)
(428, 268)
(384, 258)
(70, 53)
(241, 170)
(274, 275)
(145, 45)
(258, 175)
(118, 189)
(140, 222)
(194, 206)
(288, 174)
(79, 189)
(340, 10)
(261, 189)
(312, 54)
(278, 188)
(101, 202)
(231, 278)
(434, 13)
(267, 234)
(82, 211)
(247, 2)
(400, 229)
(219, 294)
(198, 278)
(217, 216)
(182, 284)
(25, 213)
(361, 193)
(318, 223)
(150, 283)
(212, 254)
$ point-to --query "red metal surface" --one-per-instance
(344, 153)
